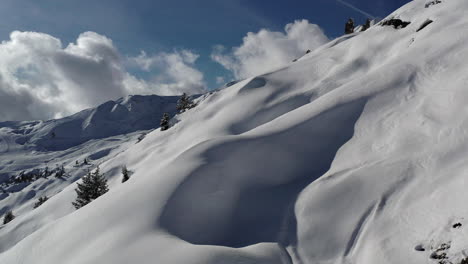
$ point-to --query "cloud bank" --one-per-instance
(40, 79)
(176, 73)
(268, 50)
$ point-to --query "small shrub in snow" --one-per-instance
(92, 186)
(464, 261)
(349, 26)
(125, 174)
(141, 137)
(24, 177)
(434, 2)
(441, 252)
(9, 216)
(396, 23)
(85, 161)
(184, 103)
(40, 201)
(165, 122)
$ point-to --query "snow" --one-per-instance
(355, 153)
(32, 155)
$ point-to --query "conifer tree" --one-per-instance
(92, 186)
(60, 171)
(367, 25)
(40, 201)
(349, 26)
(125, 174)
(164, 124)
(46, 172)
(9, 216)
(184, 103)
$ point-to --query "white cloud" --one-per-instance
(220, 80)
(39, 78)
(267, 50)
(177, 72)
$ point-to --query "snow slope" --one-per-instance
(97, 134)
(122, 116)
(353, 154)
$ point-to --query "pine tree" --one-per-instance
(9, 216)
(85, 161)
(125, 174)
(60, 171)
(349, 26)
(367, 25)
(184, 103)
(165, 122)
(40, 201)
(46, 172)
(93, 185)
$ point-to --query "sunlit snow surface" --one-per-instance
(356, 153)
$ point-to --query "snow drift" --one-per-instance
(353, 154)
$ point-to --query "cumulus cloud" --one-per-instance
(268, 50)
(40, 78)
(177, 72)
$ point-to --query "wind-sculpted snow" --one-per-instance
(255, 83)
(243, 177)
(355, 153)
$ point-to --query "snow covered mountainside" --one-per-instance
(31, 154)
(355, 153)
(123, 116)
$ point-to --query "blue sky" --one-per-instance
(155, 25)
(152, 46)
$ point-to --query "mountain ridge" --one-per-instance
(124, 115)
